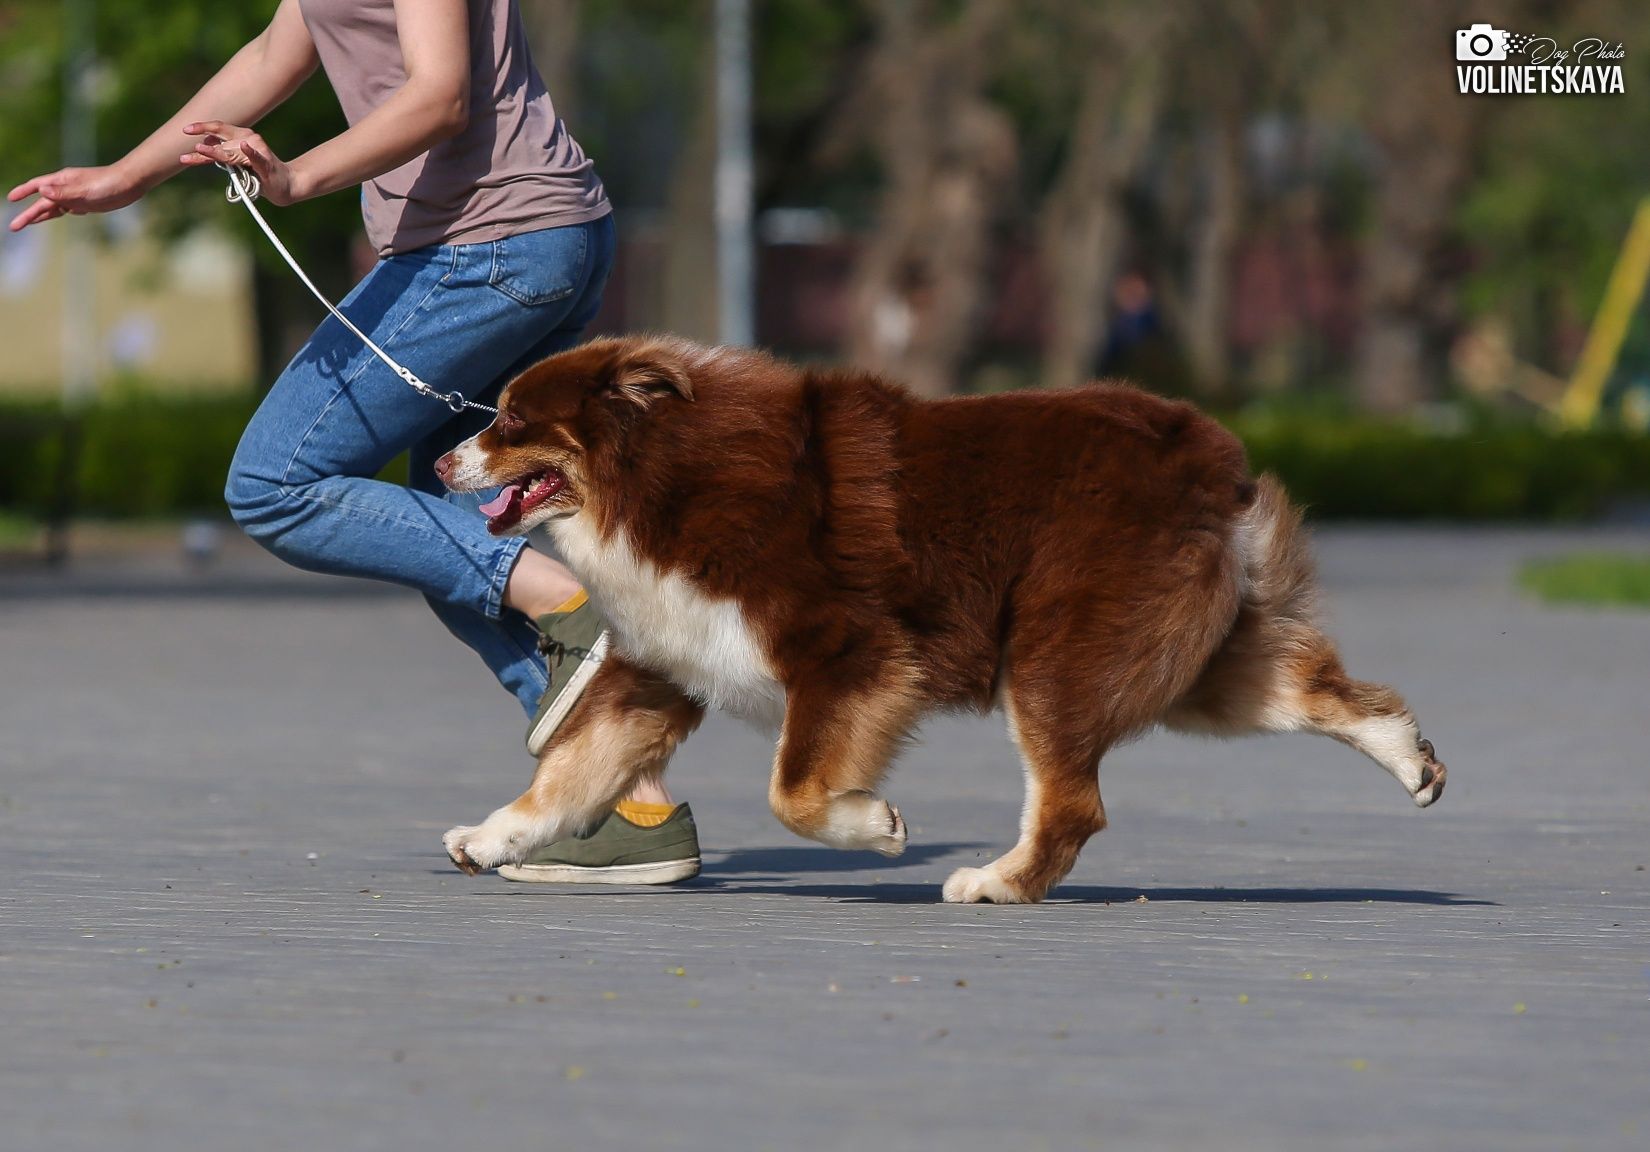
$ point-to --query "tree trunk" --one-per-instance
(689, 257)
(1426, 132)
(948, 160)
(1083, 232)
(1209, 289)
(553, 32)
(1210, 207)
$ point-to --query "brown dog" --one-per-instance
(822, 551)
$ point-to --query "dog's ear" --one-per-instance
(643, 377)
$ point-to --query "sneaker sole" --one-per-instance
(658, 872)
(563, 704)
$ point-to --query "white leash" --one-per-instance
(244, 189)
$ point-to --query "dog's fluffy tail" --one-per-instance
(1277, 571)
(1273, 626)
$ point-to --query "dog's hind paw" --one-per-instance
(1433, 775)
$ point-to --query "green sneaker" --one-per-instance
(574, 643)
(617, 852)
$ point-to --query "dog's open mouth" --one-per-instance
(505, 510)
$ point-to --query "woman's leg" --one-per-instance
(507, 642)
(538, 584)
(461, 317)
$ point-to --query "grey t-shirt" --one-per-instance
(515, 168)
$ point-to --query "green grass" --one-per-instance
(17, 532)
(1589, 578)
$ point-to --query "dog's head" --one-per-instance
(561, 423)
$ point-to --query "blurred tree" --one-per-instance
(633, 100)
(690, 268)
(1426, 135)
(1216, 181)
(946, 157)
(1118, 95)
(1220, 106)
(1551, 201)
(810, 56)
(151, 57)
(552, 28)
(1183, 139)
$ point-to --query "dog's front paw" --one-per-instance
(861, 820)
(478, 849)
(883, 830)
(508, 836)
(457, 843)
(979, 886)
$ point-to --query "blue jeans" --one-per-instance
(464, 316)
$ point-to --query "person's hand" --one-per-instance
(243, 148)
(74, 192)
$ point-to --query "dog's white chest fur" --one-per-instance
(661, 620)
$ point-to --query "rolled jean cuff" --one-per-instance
(507, 557)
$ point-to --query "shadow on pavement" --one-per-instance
(873, 893)
(1088, 894)
(782, 862)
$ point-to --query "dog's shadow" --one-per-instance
(757, 864)
(767, 872)
(904, 893)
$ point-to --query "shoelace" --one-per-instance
(556, 651)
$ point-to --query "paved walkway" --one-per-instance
(228, 924)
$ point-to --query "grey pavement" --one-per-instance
(227, 922)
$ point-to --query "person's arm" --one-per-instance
(257, 79)
(433, 105)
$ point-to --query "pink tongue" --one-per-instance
(499, 503)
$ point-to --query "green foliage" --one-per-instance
(639, 87)
(1368, 469)
(809, 58)
(152, 55)
(148, 456)
(1554, 191)
(17, 532)
(1589, 578)
(644, 71)
(142, 456)
(1552, 186)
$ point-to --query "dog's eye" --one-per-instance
(509, 423)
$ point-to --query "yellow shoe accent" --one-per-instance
(644, 815)
(573, 603)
